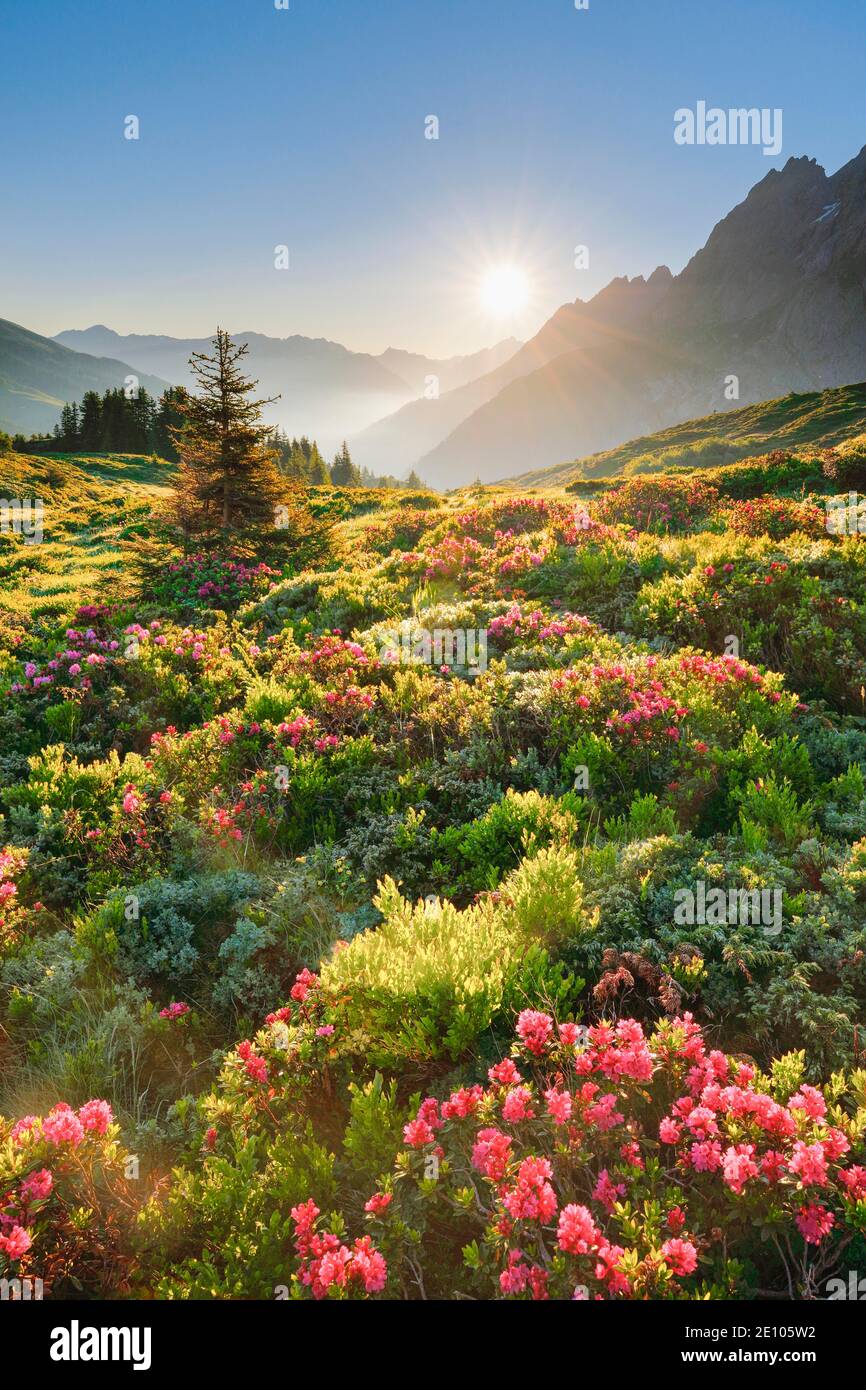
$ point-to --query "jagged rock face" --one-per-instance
(777, 297)
(781, 280)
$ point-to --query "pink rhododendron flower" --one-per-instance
(62, 1126)
(669, 1131)
(37, 1186)
(304, 983)
(492, 1153)
(738, 1166)
(809, 1162)
(461, 1103)
(417, 1133)
(706, 1158)
(174, 1010)
(607, 1192)
(532, 1198)
(30, 1124)
(559, 1105)
(256, 1069)
(16, 1242)
(518, 1104)
(809, 1099)
(368, 1265)
(505, 1072)
(535, 1030)
(814, 1223)
(603, 1113)
(854, 1182)
(680, 1255)
(379, 1202)
(577, 1233)
(96, 1116)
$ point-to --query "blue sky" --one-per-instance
(305, 127)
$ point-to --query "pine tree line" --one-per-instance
(301, 460)
(115, 423)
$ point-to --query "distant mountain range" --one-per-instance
(775, 298)
(326, 391)
(38, 375)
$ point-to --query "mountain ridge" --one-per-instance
(326, 390)
(38, 376)
(774, 297)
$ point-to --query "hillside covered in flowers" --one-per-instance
(469, 903)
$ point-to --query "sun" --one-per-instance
(504, 290)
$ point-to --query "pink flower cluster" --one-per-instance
(64, 1129)
(326, 1264)
(531, 625)
(74, 664)
(62, 1125)
(174, 1010)
(723, 1143)
(648, 711)
(19, 1208)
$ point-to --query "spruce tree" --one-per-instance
(345, 473)
(91, 422)
(317, 469)
(227, 478)
(170, 415)
(295, 465)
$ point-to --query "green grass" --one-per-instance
(820, 419)
(88, 502)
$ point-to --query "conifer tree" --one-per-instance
(228, 478)
(170, 416)
(345, 473)
(295, 465)
(91, 421)
(317, 469)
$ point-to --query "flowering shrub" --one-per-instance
(775, 516)
(482, 568)
(779, 611)
(658, 505)
(212, 581)
(513, 516)
(327, 1266)
(13, 915)
(64, 1201)
(78, 664)
(400, 530)
(608, 1163)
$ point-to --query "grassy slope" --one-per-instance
(87, 504)
(38, 375)
(816, 418)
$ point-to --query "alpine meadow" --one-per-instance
(433, 776)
